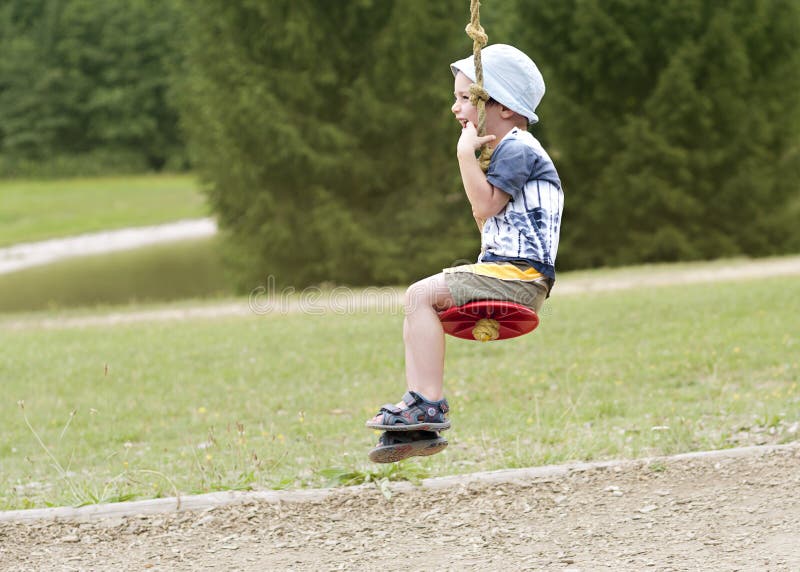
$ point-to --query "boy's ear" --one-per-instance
(519, 120)
(506, 113)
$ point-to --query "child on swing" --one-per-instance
(517, 203)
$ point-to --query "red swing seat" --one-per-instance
(487, 320)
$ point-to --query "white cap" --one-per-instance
(509, 76)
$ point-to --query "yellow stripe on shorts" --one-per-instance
(501, 270)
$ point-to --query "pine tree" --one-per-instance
(86, 83)
(674, 125)
(324, 135)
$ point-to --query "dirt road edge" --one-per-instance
(227, 498)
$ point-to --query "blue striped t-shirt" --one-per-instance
(527, 229)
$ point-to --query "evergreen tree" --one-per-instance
(85, 78)
(324, 135)
(674, 124)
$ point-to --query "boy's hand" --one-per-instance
(469, 142)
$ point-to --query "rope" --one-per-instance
(486, 330)
(477, 95)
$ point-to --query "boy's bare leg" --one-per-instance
(424, 337)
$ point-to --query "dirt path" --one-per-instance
(689, 514)
(344, 300)
(28, 254)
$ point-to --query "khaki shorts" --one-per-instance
(468, 287)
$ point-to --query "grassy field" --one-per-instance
(38, 210)
(143, 410)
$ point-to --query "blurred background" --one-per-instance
(317, 137)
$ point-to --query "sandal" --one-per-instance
(395, 446)
(419, 415)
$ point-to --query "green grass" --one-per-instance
(172, 271)
(38, 210)
(280, 400)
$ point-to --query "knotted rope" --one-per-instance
(477, 95)
(486, 330)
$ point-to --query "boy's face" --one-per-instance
(463, 108)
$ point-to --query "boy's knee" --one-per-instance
(432, 292)
(411, 297)
(417, 296)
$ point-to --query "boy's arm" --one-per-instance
(485, 199)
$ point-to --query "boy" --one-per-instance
(518, 204)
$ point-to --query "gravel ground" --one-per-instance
(688, 514)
